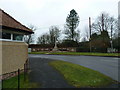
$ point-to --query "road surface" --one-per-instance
(105, 65)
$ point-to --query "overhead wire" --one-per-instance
(47, 27)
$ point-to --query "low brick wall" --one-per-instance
(9, 75)
(13, 55)
(69, 49)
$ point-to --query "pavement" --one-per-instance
(106, 65)
(45, 75)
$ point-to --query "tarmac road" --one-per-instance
(106, 65)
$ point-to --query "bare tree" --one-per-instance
(103, 22)
(30, 38)
(49, 38)
(77, 36)
(116, 31)
(84, 39)
(54, 33)
(86, 33)
(43, 39)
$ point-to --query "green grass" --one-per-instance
(80, 76)
(77, 53)
(12, 82)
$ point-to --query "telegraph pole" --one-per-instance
(102, 22)
(90, 32)
(103, 31)
(111, 38)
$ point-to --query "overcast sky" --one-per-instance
(45, 13)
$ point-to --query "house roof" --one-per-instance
(9, 22)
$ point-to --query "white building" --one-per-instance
(119, 18)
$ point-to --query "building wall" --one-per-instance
(119, 18)
(13, 55)
(0, 59)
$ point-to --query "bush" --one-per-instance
(82, 49)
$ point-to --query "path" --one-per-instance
(45, 75)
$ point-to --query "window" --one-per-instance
(17, 37)
(0, 35)
(9, 36)
(6, 35)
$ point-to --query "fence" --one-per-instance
(16, 73)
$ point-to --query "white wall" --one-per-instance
(119, 16)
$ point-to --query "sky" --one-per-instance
(46, 13)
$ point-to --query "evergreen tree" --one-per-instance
(72, 22)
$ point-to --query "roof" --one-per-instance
(7, 21)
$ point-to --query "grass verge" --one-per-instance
(78, 53)
(80, 76)
(13, 82)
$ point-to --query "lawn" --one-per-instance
(13, 82)
(80, 76)
(77, 53)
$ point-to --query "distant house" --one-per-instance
(13, 49)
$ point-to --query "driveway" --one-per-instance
(106, 65)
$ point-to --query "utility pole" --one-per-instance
(90, 32)
(103, 31)
(111, 38)
(102, 22)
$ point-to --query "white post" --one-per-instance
(11, 36)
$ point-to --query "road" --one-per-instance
(105, 65)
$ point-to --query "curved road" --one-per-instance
(106, 65)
